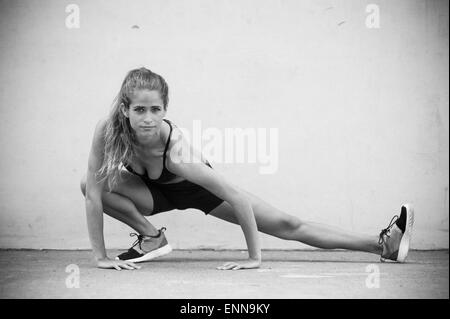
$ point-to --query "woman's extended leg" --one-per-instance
(128, 203)
(275, 222)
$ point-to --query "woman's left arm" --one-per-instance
(184, 161)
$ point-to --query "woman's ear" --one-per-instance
(124, 110)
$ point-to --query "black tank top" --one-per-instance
(166, 175)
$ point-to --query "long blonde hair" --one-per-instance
(120, 139)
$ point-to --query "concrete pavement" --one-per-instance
(192, 274)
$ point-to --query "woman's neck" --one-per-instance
(149, 146)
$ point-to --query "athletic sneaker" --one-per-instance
(149, 247)
(395, 238)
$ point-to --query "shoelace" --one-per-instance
(384, 232)
(140, 238)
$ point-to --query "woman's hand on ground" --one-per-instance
(249, 264)
(117, 264)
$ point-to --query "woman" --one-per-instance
(140, 164)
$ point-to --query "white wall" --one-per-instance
(362, 113)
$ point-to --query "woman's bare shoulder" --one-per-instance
(177, 138)
(182, 150)
(176, 133)
(100, 127)
(100, 131)
(102, 122)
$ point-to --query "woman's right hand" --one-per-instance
(107, 263)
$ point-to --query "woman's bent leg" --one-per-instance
(124, 210)
(128, 202)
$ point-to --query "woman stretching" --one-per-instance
(140, 164)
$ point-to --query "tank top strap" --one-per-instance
(129, 168)
(167, 144)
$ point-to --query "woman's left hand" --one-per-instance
(249, 264)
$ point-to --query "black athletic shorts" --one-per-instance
(182, 195)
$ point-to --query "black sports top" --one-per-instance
(166, 175)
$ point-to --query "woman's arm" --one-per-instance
(184, 161)
(94, 206)
(94, 188)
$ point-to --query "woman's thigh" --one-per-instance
(269, 219)
(134, 188)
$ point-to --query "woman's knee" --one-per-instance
(287, 227)
(289, 223)
(135, 190)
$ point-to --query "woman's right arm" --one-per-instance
(94, 206)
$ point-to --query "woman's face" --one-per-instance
(145, 113)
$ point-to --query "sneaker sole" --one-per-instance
(152, 255)
(404, 243)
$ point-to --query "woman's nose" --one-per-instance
(148, 119)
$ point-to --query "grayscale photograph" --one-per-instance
(226, 154)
